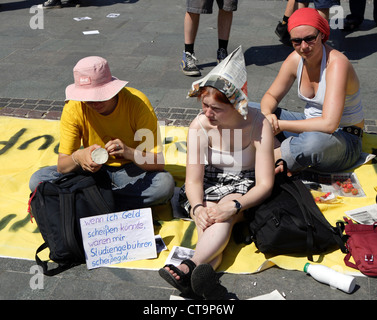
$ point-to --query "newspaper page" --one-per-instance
(364, 215)
(178, 254)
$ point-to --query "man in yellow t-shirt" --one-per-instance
(100, 112)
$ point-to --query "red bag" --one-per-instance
(362, 246)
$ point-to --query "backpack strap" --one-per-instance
(309, 203)
(307, 217)
(348, 262)
(313, 209)
(67, 209)
(99, 204)
(52, 272)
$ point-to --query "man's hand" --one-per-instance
(83, 157)
(119, 149)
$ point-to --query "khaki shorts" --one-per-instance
(322, 4)
(205, 6)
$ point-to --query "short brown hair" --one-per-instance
(219, 96)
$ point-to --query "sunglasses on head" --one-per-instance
(309, 40)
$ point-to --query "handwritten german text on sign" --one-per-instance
(118, 237)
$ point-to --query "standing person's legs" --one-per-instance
(302, 4)
(356, 17)
(225, 18)
(324, 12)
(357, 8)
(322, 6)
(224, 25)
(290, 8)
(281, 29)
(191, 24)
(188, 63)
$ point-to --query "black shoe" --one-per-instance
(188, 64)
(351, 24)
(205, 283)
(52, 4)
(221, 55)
(282, 32)
(73, 3)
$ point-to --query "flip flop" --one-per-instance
(184, 282)
(205, 282)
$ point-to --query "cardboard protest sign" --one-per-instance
(118, 237)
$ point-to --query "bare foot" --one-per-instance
(184, 268)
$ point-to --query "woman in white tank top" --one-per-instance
(327, 136)
(229, 169)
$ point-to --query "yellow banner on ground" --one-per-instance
(29, 144)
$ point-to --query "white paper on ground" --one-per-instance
(90, 32)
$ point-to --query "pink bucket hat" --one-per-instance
(93, 81)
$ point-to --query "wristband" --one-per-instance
(197, 206)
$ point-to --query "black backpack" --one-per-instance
(290, 222)
(57, 207)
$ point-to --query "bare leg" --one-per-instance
(325, 13)
(290, 8)
(212, 241)
(224, 24)
(191, 25)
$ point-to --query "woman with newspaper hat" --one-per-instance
(229, 169)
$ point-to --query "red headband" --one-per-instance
(309, 17)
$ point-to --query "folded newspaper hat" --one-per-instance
(230, 78)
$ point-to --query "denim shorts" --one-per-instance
(322, 4)
(321, 151)
(206, 6)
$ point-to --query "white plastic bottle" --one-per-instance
(331, 277)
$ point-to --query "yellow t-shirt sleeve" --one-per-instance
(70, 128)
